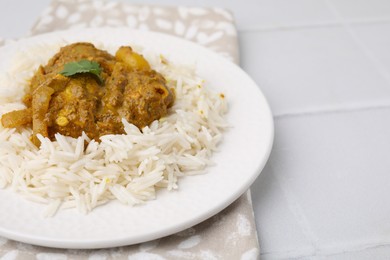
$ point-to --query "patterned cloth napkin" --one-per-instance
(231, 234)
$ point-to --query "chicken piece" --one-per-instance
(72, 110)
(138, 96)
(145, 98)
(81, 51)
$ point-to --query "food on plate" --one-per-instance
(105, 126)
(116, 87)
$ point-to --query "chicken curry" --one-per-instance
(125, 87)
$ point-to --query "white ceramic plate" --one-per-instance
(243, 154)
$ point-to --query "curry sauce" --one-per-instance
(127, 88)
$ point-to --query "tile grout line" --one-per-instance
(271, 28)
(347, 26)
(325, 111)
(328, 252)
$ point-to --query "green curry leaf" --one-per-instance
(82, 66)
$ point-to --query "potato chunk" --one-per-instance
(131, 59)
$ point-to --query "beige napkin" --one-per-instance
(231, 234)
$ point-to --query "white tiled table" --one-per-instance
(325, 68)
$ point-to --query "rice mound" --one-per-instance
(131, 167)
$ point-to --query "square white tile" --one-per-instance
(336, 167)
(312, 69)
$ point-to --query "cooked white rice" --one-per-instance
(129, 167)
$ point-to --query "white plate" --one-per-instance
(243, 154)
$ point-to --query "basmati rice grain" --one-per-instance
(52, 208)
